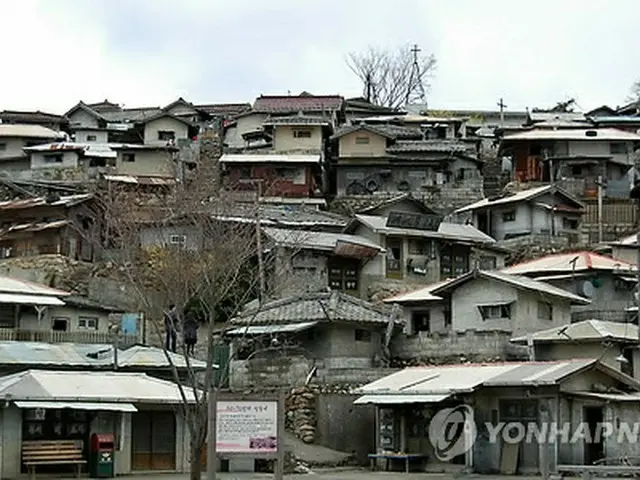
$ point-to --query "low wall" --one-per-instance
(293, 371)
(469, 345)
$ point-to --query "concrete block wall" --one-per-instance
(469, 343)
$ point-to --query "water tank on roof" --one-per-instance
(586, 289)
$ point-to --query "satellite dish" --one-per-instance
(587, 289)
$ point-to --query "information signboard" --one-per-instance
(247, 426)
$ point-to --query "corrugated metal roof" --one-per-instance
(268, 158)
(427, 293)
(399, 399)
(564, 116)
(269, 329)
(63, 201)
(570, 262)
(452, 379)
(141, 180)
(521, 196)
(95, 406)
(88, 355)
(314, 307)
(446, 230)
(22, 287)
(587, 330)
(28, 131)
(13, 298)
(317, 240)
(111, 387)
(603, 134)
(613, 397)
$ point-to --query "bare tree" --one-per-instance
(634, 92)
(174, 249)
(391, 77)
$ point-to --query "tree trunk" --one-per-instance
(195, 470)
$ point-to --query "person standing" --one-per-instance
(190, 332)
(171, 328)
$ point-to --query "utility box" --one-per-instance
(101, 456)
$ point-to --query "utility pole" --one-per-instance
(502, 106)
(600, 195)
(263, 287)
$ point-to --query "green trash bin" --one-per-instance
(101, 455)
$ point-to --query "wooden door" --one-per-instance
(153, 445)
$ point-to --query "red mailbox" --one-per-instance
(101, 456)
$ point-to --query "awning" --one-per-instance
(30, 299)
(399, 399)
(267, 329)
(111, 407)
(613, 397)
(494, 304)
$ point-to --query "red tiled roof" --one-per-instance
(292, 104)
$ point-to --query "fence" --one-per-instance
(614, 211)
(15, 334)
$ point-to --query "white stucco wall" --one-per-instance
(70, 159)
(29, 321)
(284, 140)
(602, 148)
(83, 136)
(233, 136)
(147, 162)
(12, 147)
(152, 128)
(524, 312)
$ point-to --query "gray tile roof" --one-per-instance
(284, 216)
(298, 120)
(394, 132)
(436, 146)
(314, 307)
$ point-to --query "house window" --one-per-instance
(343, 275)
(616, 148)
(3, 147)
(447, 317)
(302, 134)
(421, 321)
(91, 138)
(53, 158)
(495, 312)
(97, 162)
(166, 135)
(177, 239)
(362, 140)
(509, 216)
(420, 247)
(487, 263)
(576, 170)
(60, 324)
(570, 224)
(128, 157)
(88, 323)
(454, 261)
(362, 335)
(545, 311)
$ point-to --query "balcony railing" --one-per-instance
(50, 336)
(605, 315)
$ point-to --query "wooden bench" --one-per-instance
(52, 452)
(588, 471)
(407, 457)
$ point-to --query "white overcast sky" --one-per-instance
(149, 52)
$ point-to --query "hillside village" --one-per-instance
(376, 263)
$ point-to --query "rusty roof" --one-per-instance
(297, 103)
